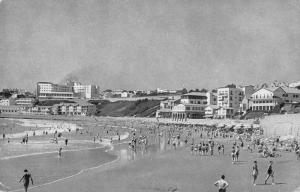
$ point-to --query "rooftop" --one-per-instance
(196, 94)
(291, 90)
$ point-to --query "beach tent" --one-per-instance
(287, 137)
(248, 126)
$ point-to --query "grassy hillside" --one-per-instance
(140, 108)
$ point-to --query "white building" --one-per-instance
(47, 90)
(6, 102)
(211, 111)
(229, 100)
(37, 110)
(166, 106)
(192, 105)
(79, 108)
(25, 101)
(126, 94)
(86, 91)
(11, 109)
(212, 98)
(265, 99)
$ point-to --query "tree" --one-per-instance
(184, 91)
(203, 90)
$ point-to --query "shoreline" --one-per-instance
(106, 146)
(110, 149)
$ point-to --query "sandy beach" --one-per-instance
(89, 165)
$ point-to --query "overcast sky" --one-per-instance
(144, 44)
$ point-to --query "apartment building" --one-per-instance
(25, 102)
(212, 98)
(79, 108)
(229, 100)
(6, 102)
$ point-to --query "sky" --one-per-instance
(146, 44)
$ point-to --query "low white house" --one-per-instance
(211, 111)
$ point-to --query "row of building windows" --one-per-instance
(56, 95)
(195, 108)
(266, 101)
(264, 96)
(199, 102)
(261, 108)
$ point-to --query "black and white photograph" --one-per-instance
(150, 95)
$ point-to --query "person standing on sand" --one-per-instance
(254, 172)
(270, 173)
(221, 184)
(26, 178)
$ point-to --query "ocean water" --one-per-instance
(49, 167)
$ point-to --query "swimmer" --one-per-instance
(59, 151)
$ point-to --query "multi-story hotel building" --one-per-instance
(229, 99)
(265, 99)
(47, 90)
(85, 91)
(192, 105)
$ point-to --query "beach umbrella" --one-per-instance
(228, 126)
(237, 126)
